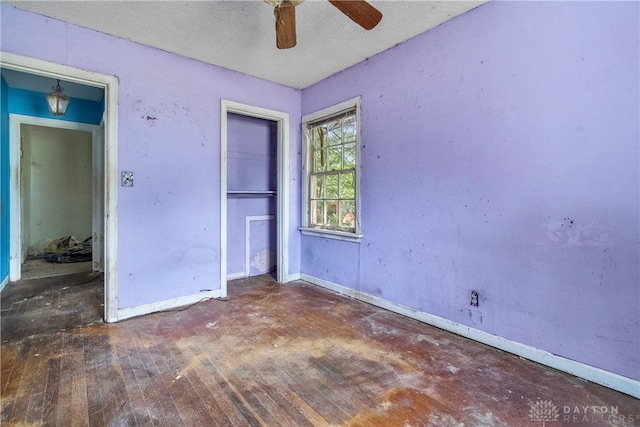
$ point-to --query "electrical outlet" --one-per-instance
(474, 298)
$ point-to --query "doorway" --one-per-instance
(253, 174)
(251, 195)
(43, 151)
(104, 155)
(57, 201)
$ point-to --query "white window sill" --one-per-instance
(331, 234)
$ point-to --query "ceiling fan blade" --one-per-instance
(285, 14)
(360, 12)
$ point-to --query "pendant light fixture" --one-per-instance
(58, 101)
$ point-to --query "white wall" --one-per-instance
(56, 184)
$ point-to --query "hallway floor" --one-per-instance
(37, 268)
(269, 355)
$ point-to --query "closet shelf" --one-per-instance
(250, 193)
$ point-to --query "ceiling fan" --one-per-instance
(360, 12)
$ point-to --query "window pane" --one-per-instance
(349, 156)
(319, 161)
(332, 173)
(335, 158)
(347, 186)
(347, 213)
(332, 212)
(331, 182)
(317, 212)
(316, 190)
(334, 132)
(349, 132)
(318, 137)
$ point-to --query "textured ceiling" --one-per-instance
(240, 34)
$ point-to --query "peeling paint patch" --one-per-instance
(263, 261)
(571, 232)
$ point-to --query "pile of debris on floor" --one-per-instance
(68, 249)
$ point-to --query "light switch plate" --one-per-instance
(127, 179)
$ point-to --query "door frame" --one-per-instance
(110, 86)
(16, 121)
(282, 196)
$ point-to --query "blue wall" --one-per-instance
(30, 103)
(4, 181)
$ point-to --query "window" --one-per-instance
(331, 172)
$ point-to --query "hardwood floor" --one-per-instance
(39, 268)
(269, 355)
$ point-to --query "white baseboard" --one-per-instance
(241, 275)
(234, 276)
(587, 372)
(4, 283)
(127, 313)
(293, 277)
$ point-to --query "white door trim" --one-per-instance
(97, 190)
(16, 252)
(110, 86)
(282, 210)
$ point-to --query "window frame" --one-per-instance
(307, 120)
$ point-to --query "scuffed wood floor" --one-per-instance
(271, 355)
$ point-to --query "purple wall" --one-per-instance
(169, 136)
(500, 154)
(252, 145)
(238, 208)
